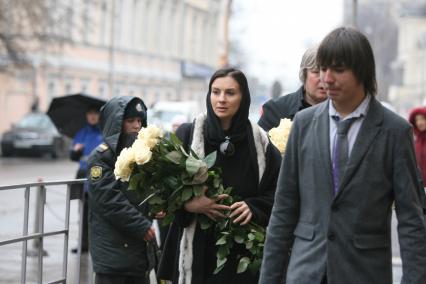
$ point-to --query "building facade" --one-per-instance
(154, 49)
(410, 90)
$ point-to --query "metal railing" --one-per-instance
(39, 233)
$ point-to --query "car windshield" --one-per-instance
(35, 120)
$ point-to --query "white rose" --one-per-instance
(142, 152)
(279, 135)
(150, 132)
(124, 164)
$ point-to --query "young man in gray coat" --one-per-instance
(331, 220)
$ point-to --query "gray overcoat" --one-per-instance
(348, 236)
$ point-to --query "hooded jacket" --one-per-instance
(420, 141)
(117, 223)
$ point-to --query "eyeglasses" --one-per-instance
(226, 147)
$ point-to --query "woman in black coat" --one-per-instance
(250, 165)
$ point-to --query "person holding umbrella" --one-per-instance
(85, 140)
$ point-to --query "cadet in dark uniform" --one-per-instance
(119, 229)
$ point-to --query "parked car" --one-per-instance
(34, 134)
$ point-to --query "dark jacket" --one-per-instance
(117, 223)
(283, 107)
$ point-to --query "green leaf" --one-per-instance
(239, 239)
(218, 269)
(251, 236)
(156, 200)
(205, 225)
(134, 181)
(174, 157)
(198, 190)
(243, 264)
(186, 193)
(259, 236)
(201, 176)
(255, 265)
(222, 252)
(171, 181)
(221, 261)
(168, 219)
(210, 159)
(192, 165)
(222, 240)
(249, 244)
(221, 224)
(216, 182)
(175, 140)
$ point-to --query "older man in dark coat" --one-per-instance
(310, 93)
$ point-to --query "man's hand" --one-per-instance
(203, 204)
(150, 234)
(242, 210)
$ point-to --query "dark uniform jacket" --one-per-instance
(117, 223)
(283, 107)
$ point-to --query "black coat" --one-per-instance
(204, 250)
(117, 223)
(283, 107)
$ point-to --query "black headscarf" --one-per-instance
(214, 133)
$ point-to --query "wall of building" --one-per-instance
(410, 91)
(158, 50)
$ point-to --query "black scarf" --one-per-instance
(214, 133)
(241, 136)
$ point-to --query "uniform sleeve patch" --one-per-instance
(102, 147)
(95, 173)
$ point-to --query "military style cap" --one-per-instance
(135, 109)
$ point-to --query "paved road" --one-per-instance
(25, 170)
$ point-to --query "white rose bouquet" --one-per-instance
(279, 135)
(166, 176)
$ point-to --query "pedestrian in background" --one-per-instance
(84, 141)
(418, 120)
(119, 229)
(331, 220)
(310, 93)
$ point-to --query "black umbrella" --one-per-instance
(68, 113)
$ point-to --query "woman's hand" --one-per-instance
(242, 212)
(150, 234)
(203, 204)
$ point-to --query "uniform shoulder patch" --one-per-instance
(95, 173)
(101, 148)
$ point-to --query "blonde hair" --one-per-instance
(308, 62)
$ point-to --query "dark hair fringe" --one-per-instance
(349, 48)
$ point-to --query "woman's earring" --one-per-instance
(226, 147)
